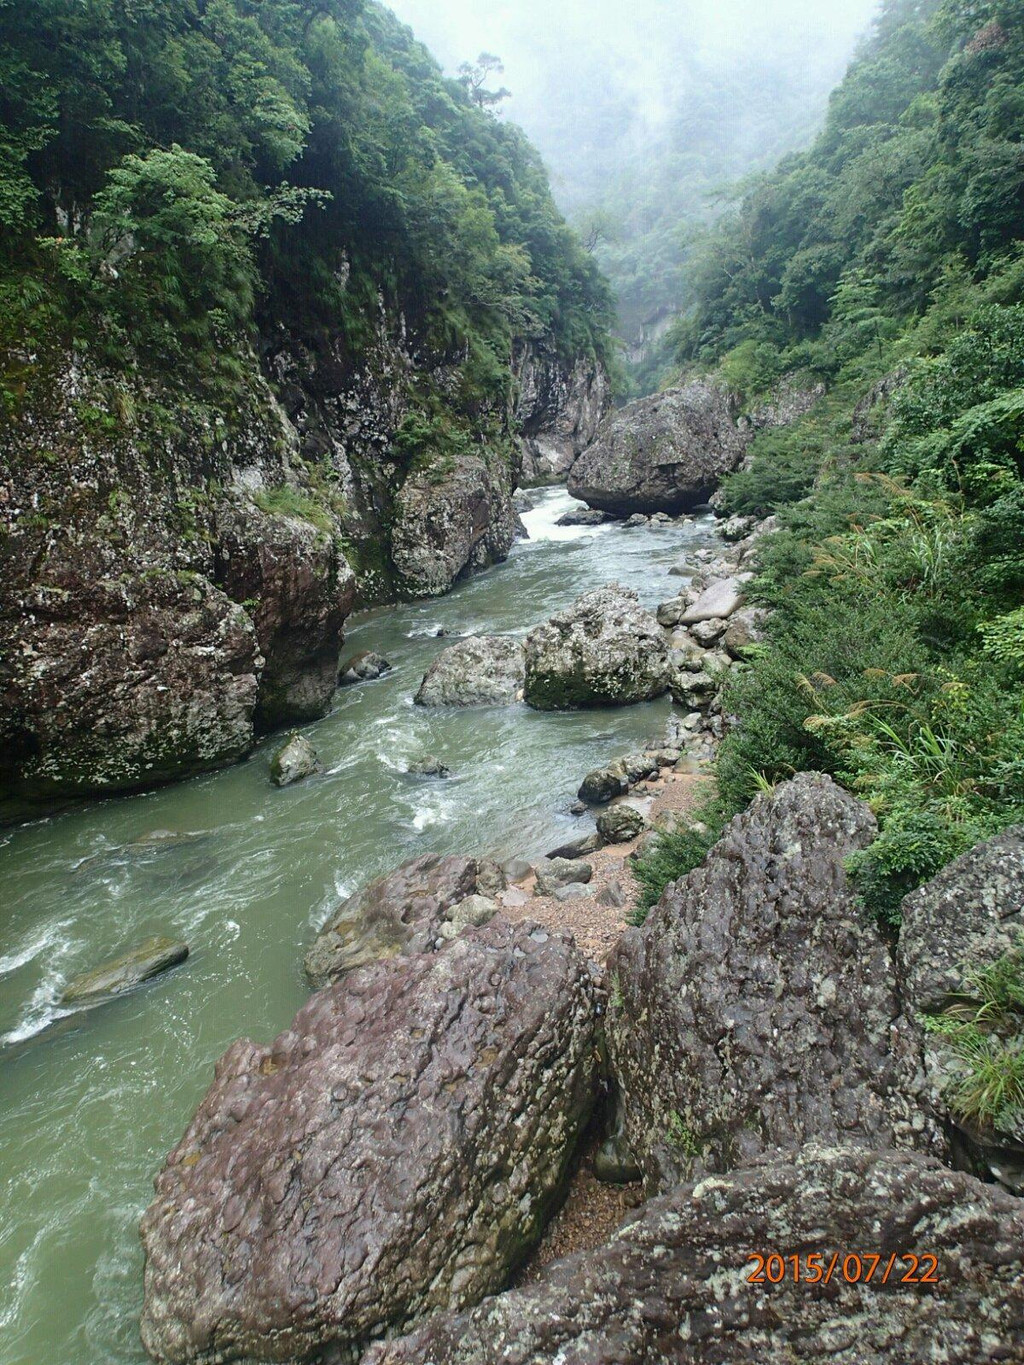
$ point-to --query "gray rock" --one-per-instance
(619, 824)
(603, 783)
(754, 1010)
(605, 650)
(736, 528)
(637, 520)
(363, 667)
(471, 913)
(149, 959)
(612, 895)
(294, 761)
(746, 628)
(396, 1151)
(640, 765)
(961, 922)
(671, 1287)
(429, 766)
(665, 453)
(398, 914)
(579, 848)
(516, 870)
(555, 872)
(583, 516)
(718, 601)
(671, 613)
(695, 691)
(490, 878)
(708, 633)
(482, 670)
(574, 891)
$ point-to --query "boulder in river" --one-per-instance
(603, 784)
(482, 670)
(396, 1151)
(663, 453)
(124, 973)
(961, 935)
(363, 667)
(398, 914)
(674, 1283)
(754, 1011)
(429, 766)
(583, 516)
(604, 650)
(295, 760)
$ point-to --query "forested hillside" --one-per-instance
(278, 302)
(888, 261)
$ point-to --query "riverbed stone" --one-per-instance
(604, 650)
(603, 784)
(754, 1011)
(516, 870)
(717, 602)
(583, 516)
(672, 1285)
(396, 915)
(471, 913)
(553, 873)
(363, 667)
(579, 848)
(295, 760)
(396, 1151)
(745, 629)
(620, 823)
(429, 766)
(482, 670)
(149, 959)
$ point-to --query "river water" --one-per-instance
(91, 1104)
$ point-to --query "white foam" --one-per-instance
(541, 521)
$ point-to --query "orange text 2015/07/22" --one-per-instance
(853, 1267)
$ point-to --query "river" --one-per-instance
(90, 1105)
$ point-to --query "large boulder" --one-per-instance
(664, 453)
(484, 670)
(450, 522)
(394, 1152)
(296, 759)
(754, 1010)
(954, 932)
(717, 602)
(673, 1284)
(604, 650)
(398, 914)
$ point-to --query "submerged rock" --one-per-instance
(124, 973)
(604, 650)
(673, 1284)
(363, 667)
(664, 453)
(398, 914)
(482, 670)
(294, 761)
(429, 766)
(396, 1151)
(754, 1010)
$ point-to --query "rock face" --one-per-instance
(605, 650)
(149, 959)
(954, 928)
(484, 670)
(754, 1011)
(665, 453)
(559, 410)
(673, 1284)
(446, 527)
(294, 761)
(398, 914)
(394, 1152)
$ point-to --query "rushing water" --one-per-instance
(90, 1104)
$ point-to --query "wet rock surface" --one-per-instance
(672, 1283)
(754, 1011)
(665, 453)
(124, 973)
(294, 761)
(484, 670)
(394, 1152)
(559, 410)
(604, 650)
(398, 914)
(363, 667)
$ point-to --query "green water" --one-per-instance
(91, 1105)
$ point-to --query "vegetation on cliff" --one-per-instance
(889, 262)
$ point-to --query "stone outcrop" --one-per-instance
(755, 1010)
(483, 670)
(398, 914)
(559, 409)
(394, 1152)
(953, 930)
(445, 527)
(665, 453)
(673, 1285)
(604, 650)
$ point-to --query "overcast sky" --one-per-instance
(631, 46)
